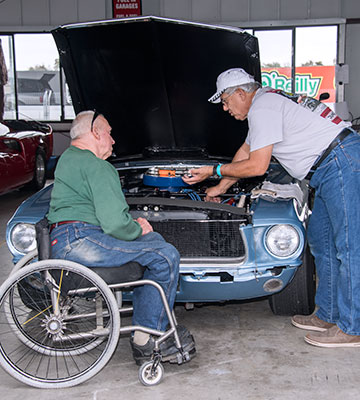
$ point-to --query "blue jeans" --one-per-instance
(89, 245)
(334, 233)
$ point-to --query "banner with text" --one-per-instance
(126, 8)
(311, 81)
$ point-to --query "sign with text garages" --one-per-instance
(126, 8)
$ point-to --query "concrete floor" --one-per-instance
(243, 352)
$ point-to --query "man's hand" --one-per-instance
(198, 175)
(212, 194)
(145, 226)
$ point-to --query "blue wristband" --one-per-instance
(218, 173)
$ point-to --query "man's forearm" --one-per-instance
(255, 165)
(226, 183)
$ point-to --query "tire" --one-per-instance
(34, 296)
(299, 296)
(46, 356)
(39, 178)
(26, 260)
(145, 376)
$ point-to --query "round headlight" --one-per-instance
(23, 238)
(282, 240)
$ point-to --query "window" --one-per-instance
(37, 77)
(9, 89)
(294, 59)
(276, 58)
(300, 59)
(315, 60)
(69, 112)
(35, 90)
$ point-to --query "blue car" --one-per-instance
(153, 89)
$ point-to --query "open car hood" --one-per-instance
(151, 78)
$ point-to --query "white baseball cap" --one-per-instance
(231, 77)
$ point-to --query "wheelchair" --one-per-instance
(60, 321)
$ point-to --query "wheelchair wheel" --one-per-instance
(34, 296)
(67, 335)
(149, 376)
(26, 260)
(32, 300)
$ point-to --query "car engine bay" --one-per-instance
(197, 228)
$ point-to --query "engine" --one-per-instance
(166, 181)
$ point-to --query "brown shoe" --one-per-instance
(333, 337)
(310, 323)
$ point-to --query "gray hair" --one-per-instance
(81, 124)
(246, 87)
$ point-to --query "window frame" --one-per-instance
(340, 23)
(249, 26)
(15, 74)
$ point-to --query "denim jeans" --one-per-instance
(89, 245)
(334, 235)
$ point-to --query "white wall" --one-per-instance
(35, 15)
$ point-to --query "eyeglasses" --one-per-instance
(225, 101)
(96, 114)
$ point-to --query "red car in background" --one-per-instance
(25, 149)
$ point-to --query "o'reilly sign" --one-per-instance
(311, 81)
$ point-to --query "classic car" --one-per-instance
(25, 148)
(151, 77)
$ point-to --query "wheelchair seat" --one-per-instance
(131, 271)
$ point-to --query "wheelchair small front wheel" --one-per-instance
(150, 376)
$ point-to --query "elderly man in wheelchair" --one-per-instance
(73, 325)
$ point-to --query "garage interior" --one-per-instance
(243, 350)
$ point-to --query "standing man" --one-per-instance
(90, 224)
(304, 134)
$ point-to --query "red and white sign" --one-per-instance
(126, 8)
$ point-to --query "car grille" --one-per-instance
(203, 239)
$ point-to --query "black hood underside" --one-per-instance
(151, 78)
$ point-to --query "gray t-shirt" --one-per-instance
(299, 134)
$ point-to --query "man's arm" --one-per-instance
(242, 154)
(110, 205)
(255, 164)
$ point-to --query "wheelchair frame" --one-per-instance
(49, 349)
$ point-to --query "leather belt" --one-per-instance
(339, 138)
(52, 226)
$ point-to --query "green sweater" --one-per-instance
(88, 189)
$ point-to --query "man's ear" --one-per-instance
(95, 132)
(241, 93)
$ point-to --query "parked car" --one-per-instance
(25, 148)
(35, 91)
(153, 88)
(36, 88)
